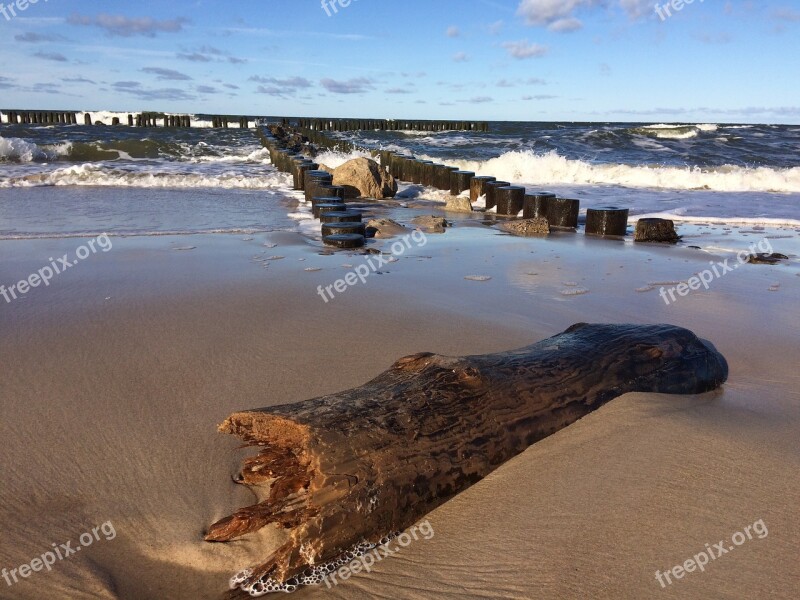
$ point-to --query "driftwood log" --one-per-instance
(352, 467)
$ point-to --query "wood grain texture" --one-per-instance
(351, 467)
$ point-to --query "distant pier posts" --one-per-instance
(87, 119)
(608, 220)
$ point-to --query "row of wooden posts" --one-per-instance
(48, 117)
(342, 227)
(384, 125)
(144, 119)
(508, 200)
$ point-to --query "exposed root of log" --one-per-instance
(350, 468)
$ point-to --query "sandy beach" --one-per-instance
(117, 374)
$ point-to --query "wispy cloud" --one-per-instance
(166, 74)
(289, 82)
(207, 54)
(460, 57)
(453, 32)
(117, 25)
(357, 85)
(31, 37)
(78, 80)
(281, 88)
(54, 56)
(524, 49)
(135, 88)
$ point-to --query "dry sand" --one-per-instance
(115, 377)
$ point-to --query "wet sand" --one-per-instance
(116, 375)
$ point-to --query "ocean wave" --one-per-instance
(19, 150)
(674, 131)
(100, 175)
(732, 220)
(526, 166)
(333, 158)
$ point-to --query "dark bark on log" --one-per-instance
(352, 467)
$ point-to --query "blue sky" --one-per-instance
(573, 60)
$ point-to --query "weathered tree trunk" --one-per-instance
(351, 467)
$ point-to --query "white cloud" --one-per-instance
(565, 25)
(524, 49)
(453, 31)
(560, 15)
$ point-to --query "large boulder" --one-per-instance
(364, 178)
(458, 204)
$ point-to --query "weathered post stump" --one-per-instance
(343, 216)
(656, 230)
(608, 220)
(460, 181)
(313, 180)
(509, 199)
(490, 188)
(324, 207)
(535, 205)
(344, 227)
(563, 212)
(344, 240)
(477, 187)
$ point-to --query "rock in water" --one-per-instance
(363, 177)
(458, 204)
(766, 258)
(431, 223)
(384, 228)
(656, 230)
(537, 226)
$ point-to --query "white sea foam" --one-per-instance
(732, 220)
(19, 150)
(99, 175)
(526, 166)
(335, 159)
